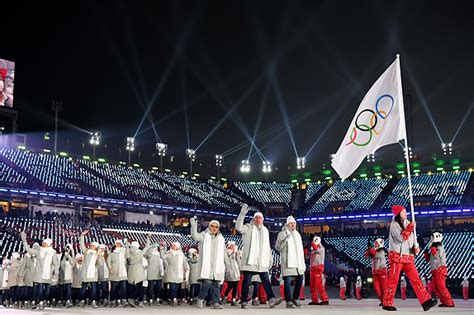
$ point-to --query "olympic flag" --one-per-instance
(379, 121)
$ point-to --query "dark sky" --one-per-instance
(312, 61)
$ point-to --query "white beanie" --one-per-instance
(79, 255)
(290, 219)
(135, 244)
(176, 244)
(317, 240)
(379, 243)
(436, 237)
(48, 241)
(119, 242)
(258, 213)
(214, 222)
(192, 250)
(102, 246)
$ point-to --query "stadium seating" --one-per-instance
(266, 193)
(360, 194)
(312, 189)
(446, 189)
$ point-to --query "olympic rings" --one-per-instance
(373, 122)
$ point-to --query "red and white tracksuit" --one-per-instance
(402, 243)
(316, 261)
(358, 288)
(342, 288)
(439, 271)
(465, 288)
(379, 270)
(403, 289)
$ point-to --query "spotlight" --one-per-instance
(191, 154)
(447, 148)
(300, 162)
(95, 138)
(219, 159)
(161, 148)
(267, 167)
(245, 168)
(130, 144)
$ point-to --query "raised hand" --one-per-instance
(192, 221)
(244, 209)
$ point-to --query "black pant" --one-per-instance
(194, 290)
(231, 285)
(265, 282)
(42, 289)
(136, 291)
(173, 290)
(211, 288)
(92, 289)
(118, 290)
(104, 290)
(154, 289)
(66, 291)
(296, 290)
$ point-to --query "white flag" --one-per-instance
(379, 121)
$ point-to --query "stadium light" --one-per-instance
(410, 153)
(370, 158)
(161, 148)
(129, 146)
(94, 140)
(191, 154)
(447, 148)
(245, 167)
(300, 162)
(267, 167)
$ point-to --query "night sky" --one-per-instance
(252, 63)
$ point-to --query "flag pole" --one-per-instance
(407, 158)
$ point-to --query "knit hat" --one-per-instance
(192, 250)
(258, 214)
(317, 240)
(118, 242)
(176, 244)
(290, 219)
(48, 241)
(102, 246)
(96, 244)
(214, 222)
(436, 237)
(79, 255)
(378, 243)
(396, 209)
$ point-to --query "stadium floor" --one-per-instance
(366, 306)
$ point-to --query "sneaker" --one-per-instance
(200, 303)
(297, 303)
(274, 302)
(158, 302)
(131, 302)
(290, 305)
(32, 305)
(105, 303)
(94, 304)
(445, 305)
(82, 303)
(68, 304)
(41, 305)
(141, 304)
(324, 303)
(174, 303)
(217, 306)
(429, 304)
(313, 303)
(244, 305)
(255, 302)
(233, 303)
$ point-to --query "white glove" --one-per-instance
(244, 209)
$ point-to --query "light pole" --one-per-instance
(161, 148)
(219, 159)
(56, 106)
(129, 146)
(96, 136)
(191, 154)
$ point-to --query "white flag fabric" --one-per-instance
(379, 121)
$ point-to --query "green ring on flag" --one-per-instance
(353, 136)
